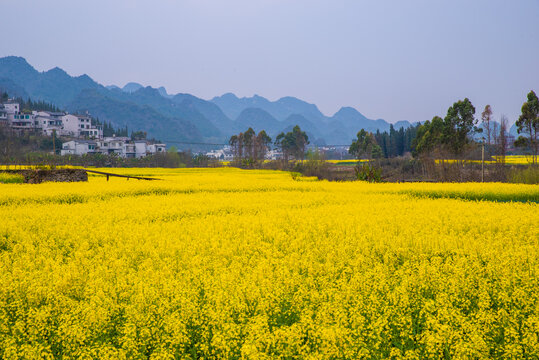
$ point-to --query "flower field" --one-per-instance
(227, 263)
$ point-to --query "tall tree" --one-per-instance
(459, 123)
(365, 145)
(263, 142)
(528, 124)
(502, 139)
(429, 137)
(292, 143)
(249, 138)
(249, 146)
(485, 118)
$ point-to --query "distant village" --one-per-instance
(87, 138)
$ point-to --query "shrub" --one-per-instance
(368, 172)
(529, 175)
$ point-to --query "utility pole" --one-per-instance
(483, 160)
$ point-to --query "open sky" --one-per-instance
(390, 59)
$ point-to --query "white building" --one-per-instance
(81, 126)
(113, 145)
(22, 122)
(11, 107)
(274, 155)
(49, 122)
(120, 146)
(79, 147)
(156, 148)
(3, 115)
(15, 119)
(221, 154)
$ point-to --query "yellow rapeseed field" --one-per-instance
(229, 264)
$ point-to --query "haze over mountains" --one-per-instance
(181, 117)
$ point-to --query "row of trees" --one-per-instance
(249, 147)
(451, 134)
(396, 142)
(448, 136)
(27, 106)
(293, 143)
(387, 144)
(110, 130)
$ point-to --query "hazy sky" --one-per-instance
(390, 59)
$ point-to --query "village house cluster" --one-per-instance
(47, 122)
(121, 146)
(87, 137)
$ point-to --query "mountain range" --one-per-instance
(182, 117)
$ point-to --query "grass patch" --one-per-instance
(529, 175)
(6, 178)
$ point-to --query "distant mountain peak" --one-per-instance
(84, 77)
(57, 70)
(226, 96)
(17, 61)
(349, 112)
(253, 110)
(131, 87)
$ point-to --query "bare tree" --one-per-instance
(502, 139)
(495, 132)
(485, 117)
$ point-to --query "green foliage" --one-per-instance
(528, 123)
(368, 172)
(377, 152)
(8, 178)
(458, 125)
(248, 148)
(138, 135)
(396, 143)
(314, 165)
(293, 143)
(27, 106)
(452, 133)
(363, 145)
(429, 136)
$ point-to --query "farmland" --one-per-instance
(228, 263)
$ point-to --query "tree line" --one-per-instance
(109, 129)
(27, 106)
(248, 147)
(453, 135)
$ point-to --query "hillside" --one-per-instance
(259, 119)
(139, 117)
